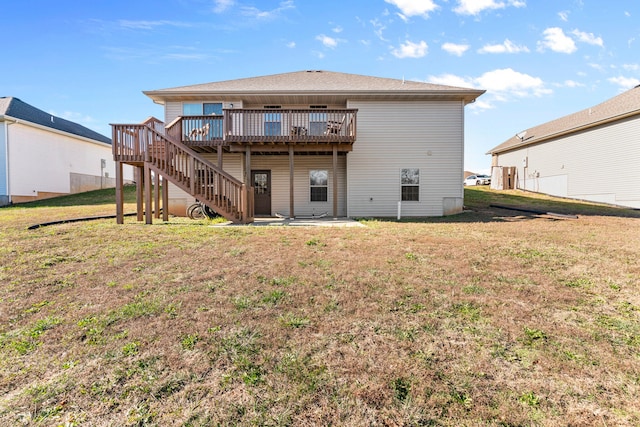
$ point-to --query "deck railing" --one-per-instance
(142, 143)
(266, 125)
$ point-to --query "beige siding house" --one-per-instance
(589, 155)
(305, 144)
(43, 156)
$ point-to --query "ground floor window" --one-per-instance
(410, 183)
(318, 184)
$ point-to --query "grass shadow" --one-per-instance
(105, 196)
(481, 204)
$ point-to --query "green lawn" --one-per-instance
(492, 317)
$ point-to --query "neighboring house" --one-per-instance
(308, 143)
(43, 156)
(591, 155)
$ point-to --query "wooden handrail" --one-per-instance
(266, 125)
(280, 125)
(184, 167)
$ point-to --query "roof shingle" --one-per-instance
(624, 105)
(317, 82)
(14, 107)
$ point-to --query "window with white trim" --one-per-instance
(318, 185)
(410, 184)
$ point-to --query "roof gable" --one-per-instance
(621, 106)
(17, 109)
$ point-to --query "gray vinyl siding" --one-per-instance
(598, 164)
(428, 135)
(279, 167)
(171, 111)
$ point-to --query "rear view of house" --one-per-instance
(43, 156)
(589, 155)
(306, 143)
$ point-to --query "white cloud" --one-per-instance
(508, 81)
(564, 15)
(414, 7)
(500, 83)
(378, 28)
(337, 29)
(596, 66)
(475, 7)
(451, 80)
(291, 45)
(411, 50)
(455, 49)
(327, 41)
(588, 38)
(572, 83)
(254, 12)
(482, 105)
(631, 67)
(79, 118)
(222, 5)
(625, 82)
(150, 25)
(507, 47)
(556, 40)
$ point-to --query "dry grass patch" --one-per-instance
(487, 318)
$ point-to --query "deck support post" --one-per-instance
(139, 177)
(119, 194)
(291, 182)
(218, 185)
(335, 181)
(247, 166)
(192, 174)
(165, 200)
(156, 194)
(147, 194)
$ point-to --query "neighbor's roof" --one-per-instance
(619, 107)
(314, 82)
(17, 109)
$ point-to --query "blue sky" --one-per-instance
(89, 61)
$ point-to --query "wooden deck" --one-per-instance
(266, 126)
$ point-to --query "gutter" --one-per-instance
(468, 95)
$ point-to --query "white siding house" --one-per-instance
(589, 155)
(318, 143)
(44, 156)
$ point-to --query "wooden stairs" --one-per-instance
(148, 145)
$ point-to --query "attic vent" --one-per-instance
(314, 71)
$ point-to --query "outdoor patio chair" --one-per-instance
(334, 127)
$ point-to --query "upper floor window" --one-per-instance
(272, 121)
(192, 109)
(199, 109)
(410, 184)
(203, 129)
